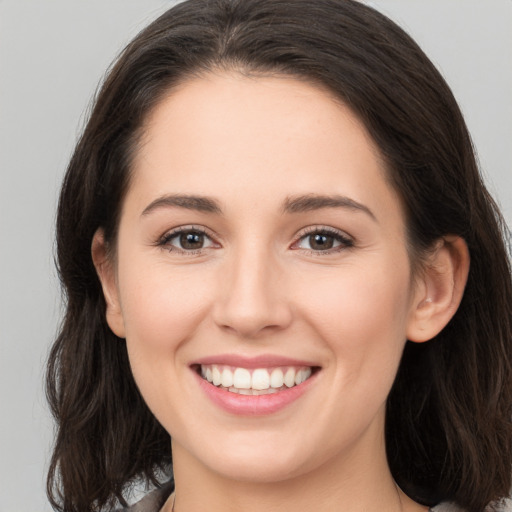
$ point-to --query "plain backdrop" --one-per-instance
(52, 55)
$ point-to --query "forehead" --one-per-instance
(228, 133)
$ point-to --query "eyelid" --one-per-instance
(347, 241)
(163, 240)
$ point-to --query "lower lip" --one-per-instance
(254, 405)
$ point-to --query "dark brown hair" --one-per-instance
(448, 425)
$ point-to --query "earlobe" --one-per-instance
(106, 274)
(439, 289)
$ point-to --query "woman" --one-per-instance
(282, 266)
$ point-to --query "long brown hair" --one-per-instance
(449, 414)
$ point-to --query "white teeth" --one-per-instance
(305, 373)
(242, 378)
(260, 379)
(254, 382)
(302, 375)
(216, 376)
(276, 378)
(227, 378)
(289, 378)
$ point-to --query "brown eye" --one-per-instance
(191, 240)
(320, 242)
(324, 240)
(186, 241)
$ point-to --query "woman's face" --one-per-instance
(260, 245)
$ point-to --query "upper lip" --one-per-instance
(261, 361)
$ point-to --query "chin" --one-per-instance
(263, 458)
(260, 469)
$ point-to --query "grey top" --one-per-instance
(155, 500)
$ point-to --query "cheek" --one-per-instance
(162, 310)
(161, 306)
(362, 312)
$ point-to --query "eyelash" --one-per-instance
(166, 239)
(345, 242)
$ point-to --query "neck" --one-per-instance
(350, 482)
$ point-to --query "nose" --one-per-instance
(253, 297)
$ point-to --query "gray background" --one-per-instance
(52, 54)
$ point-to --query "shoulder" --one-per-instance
(446, 507)
(502, 506)
(153, 501)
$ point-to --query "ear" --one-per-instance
(439, 288)
(105, 269)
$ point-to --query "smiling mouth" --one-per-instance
(258, 381)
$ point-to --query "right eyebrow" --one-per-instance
(198, 203)
(311, 202)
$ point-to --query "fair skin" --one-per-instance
(270, 274)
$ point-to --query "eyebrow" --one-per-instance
(298, 204)
(311, 202)
(198, 203)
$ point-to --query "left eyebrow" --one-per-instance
(311, 202)
(198, 203)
